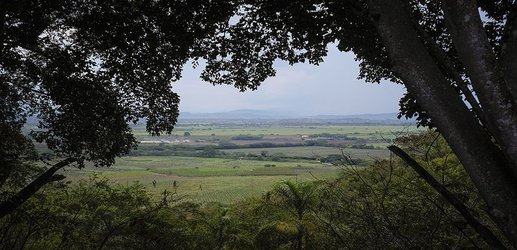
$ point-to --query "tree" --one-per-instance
(458, 69)
(97, 214)
(388, 205)
(89, 68)
(297, 199)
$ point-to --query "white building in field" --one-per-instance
(151, 142)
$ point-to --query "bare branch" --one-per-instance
(482, 230)
(18, 199)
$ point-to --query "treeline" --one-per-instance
(384, 206)
(264, 155)
(150, 149)
(334, 136)
(188, 150)
(213, 151)
(300, 122)
(247, 137)
(221, 146)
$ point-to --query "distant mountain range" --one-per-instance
(273, 116)
(236, 114)
(384, 116)
(262, 114)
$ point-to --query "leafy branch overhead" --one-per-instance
(88, 68)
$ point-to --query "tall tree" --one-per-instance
(458, 69)
(87, 69)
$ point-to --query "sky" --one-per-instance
(332, 88)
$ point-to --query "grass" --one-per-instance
(228, 180)
(206, 179)
(316, 151)
(362, 132)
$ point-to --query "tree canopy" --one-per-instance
(87, 68)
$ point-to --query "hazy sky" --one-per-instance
(302, 89)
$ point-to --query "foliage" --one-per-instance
(17, 157)
(362, 146)
(388, 206)
(98, 214)
(247, 137)
(458, 69)
(385, 205)
(88, 68)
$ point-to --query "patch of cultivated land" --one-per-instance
(374, 132)
(245, 159)
(207, 179)
(316, 152)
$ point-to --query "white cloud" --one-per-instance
(331, 88)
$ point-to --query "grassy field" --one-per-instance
(206, 179)
(241, 172)
(317, 151)
(363, 132)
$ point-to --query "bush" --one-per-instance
(247, 137)
(362, 146)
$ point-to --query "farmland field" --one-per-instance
(229, 161)
(318, 151)
(207, 179)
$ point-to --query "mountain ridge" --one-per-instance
(264, 114)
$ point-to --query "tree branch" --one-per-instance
(18, 199)
(508, 58)
(482, 230)
(3, 10)
(448, 67)
(454, 224)
(6, 168)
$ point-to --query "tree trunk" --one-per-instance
(6, 168)
(508, 57)
(483, 161)
(478, 58)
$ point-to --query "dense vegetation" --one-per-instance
(385, 205)
(89, 68)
